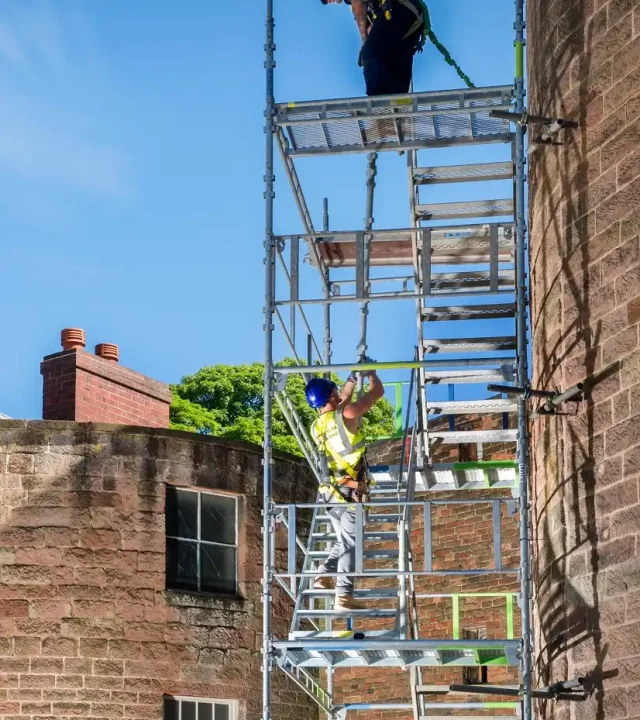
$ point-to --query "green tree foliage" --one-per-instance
(227, 401)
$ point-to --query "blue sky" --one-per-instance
(131, 165)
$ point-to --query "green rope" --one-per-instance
(443, 50)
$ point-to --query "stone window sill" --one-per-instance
(212, 601)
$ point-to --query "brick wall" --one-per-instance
(462, 538)
(86, 388)
(87, 628)
(584, 63)
(388, 452)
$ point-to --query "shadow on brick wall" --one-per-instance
(568, 334)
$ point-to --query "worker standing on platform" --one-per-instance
(339, 437)
(392, 32)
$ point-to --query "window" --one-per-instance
(202, 552)
(195, 709)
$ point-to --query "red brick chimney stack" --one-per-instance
(80, 386)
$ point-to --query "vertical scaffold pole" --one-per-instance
(327, 291)
(422, 254)
(372, 170)
(269, 274)
(523, 371)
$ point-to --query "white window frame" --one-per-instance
(231, 704)
(198, 541)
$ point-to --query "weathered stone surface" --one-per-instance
(591, 548)
(83, 601)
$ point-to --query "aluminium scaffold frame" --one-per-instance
(414, 127)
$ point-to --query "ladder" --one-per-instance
(466, 276)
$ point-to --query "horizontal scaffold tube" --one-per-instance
(394, 365)
(400, 295)
(332, 644)
(377, 706)
(396, 572)
(292, 121)
(390, 503)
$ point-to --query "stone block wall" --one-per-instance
(584, 64)
(87, 626)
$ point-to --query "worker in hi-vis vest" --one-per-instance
(392, 32)
(337, 433)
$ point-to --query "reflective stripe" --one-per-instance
(336, 442)
(342, 430)
(333, 490)
(341, 462)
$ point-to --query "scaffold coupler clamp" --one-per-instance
(553, 399)
(280, 380)
(547, 134)
(568, 690)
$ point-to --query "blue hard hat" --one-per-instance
(318, 391)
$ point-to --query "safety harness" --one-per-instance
(423, 20)
(343, 452)
(385, 7)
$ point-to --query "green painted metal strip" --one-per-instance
(500, 705)
(471, 595)
(486, 465)
(455, 599)
(509, 617)
(519, 59)
(497, 661)
(398, 407)
(476, 656)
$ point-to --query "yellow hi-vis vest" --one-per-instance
(342, 448)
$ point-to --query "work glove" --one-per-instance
(360, 61)
(368, 373)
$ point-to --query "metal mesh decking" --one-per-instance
(420, 120)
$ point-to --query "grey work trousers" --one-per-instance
(342, 557)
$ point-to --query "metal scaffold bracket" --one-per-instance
(553, 399)
(547, 129)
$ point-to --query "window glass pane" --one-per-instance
(182, 569)
(188, 710)
(182, 513)
(218, 569)
(205, 711)
(170, 709)
(222, 712)
(218, 518)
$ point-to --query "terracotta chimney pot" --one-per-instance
(108, 351)
(73, 339)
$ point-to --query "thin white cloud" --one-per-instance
(32, 32)
(33, 150)
(44, 35)
(10, 47)
(44, 134)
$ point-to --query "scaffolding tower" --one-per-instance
(471, 254)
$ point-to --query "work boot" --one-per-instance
(344, 603)
(322, 582)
